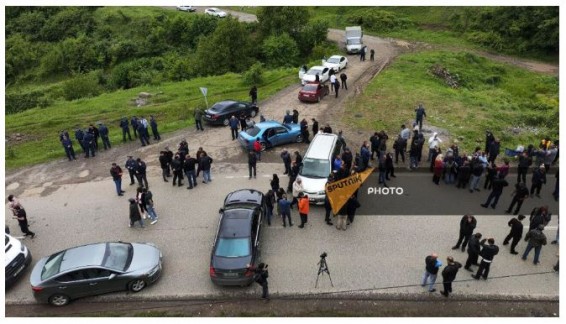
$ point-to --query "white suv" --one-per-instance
(17, 258)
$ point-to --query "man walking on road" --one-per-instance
(20, 214)
(420, 114)
(343, 78)
(116, 173)
(474, 248)
(135, 215)
(234, 126)
(432, 264)
(198, 118)
(520, 194)
(487, 253)
(449, 274)
(252, 163)
(261, 275)
(467, 225)
(303, 209)
(516, 233)
(496, 191)
(536, 239)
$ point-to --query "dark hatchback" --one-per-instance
(220, 112)
(236, 247)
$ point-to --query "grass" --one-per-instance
(517, 98)
(172, 103)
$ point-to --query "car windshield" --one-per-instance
(314, 71)
(335, 60)
(117, 256)
(218, 107)
(52, 265)
(315, 168)
(253, 131)
(310, 87)
(233, 247)
(354, 41)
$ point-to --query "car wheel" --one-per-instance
(137, 285)
(59, 300)
(299, 139)
(253, 113)
(226, 122)
(263, 146)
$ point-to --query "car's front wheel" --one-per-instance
(59, 300)
(137, 285)
(299, 139)
(226, 122)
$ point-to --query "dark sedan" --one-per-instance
(220, 112)
(313, 92)
(236, 249)
(95, 269)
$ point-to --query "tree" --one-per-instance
(226, 50)
(279, 20)
(280, 50)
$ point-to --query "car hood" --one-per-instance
(313, 185)
(221, 263)
(145, 258)
(331, 65)
(15, 249)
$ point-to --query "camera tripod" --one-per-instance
(323, 267)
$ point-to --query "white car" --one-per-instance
(215, 12)
(310, 76)
(17, 257)
(336, 62)
(186, 8)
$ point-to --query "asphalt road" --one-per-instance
(377, 255)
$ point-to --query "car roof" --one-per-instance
(318, 67)
(244, 196)
(236, 223)
(321, 146)
(269, 124)
(82, 256)
(336, 56)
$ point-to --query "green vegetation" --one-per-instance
(489, 96)
(172, 103)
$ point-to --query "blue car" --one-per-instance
(270, 133)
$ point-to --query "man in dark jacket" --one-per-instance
(420, 113)
(153, 125)
(463, 175)
(131, 166)
(164, 165)
(374, 140)
(252, 163)
(305, 131)
(177, 166)
(141, 175)
(467, 225)
(295, 116)
(487, 253)
(286, 157)
(496, 191)
(493, 151)
(68, 146)
(449, 274)
(103, 132)
(538, 179)
(234, 126)
(520, 194)
(253, 95)
(125, 129)
(525, 162)
(135, 215)
(536, 239)
(79, 136)
(205, 163)
(474, 248)
(134, 122)
(116, 173)
(348, 158)
(314, 127)
(88, 143)
(539, 215)
(261, 275)
(516, 232)
(189, 168)
(432, 264)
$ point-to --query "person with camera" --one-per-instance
(260, 276)
(487, 253)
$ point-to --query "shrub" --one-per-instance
(254, 76)
(280, 50)
(82, 86)
(378, 20)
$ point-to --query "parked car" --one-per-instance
(186, 8)
(313, 92)
(220, 112)
(17, 257)
(270, 133)
(215, 12)
(336, 62)
(236, 249)
(310, 76)
(95, 269)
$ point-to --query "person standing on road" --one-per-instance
(261, 275)
(432, 264)
(198, 118)
(497, 189)
(20, 214)
(153, 124)
(103, 132)
(297, 189)
(205, 163)
(79, 136)
(336, 88)
(449, 274)
(269, 203)
(536, 239)
(314, 127)
(420, 114)
(538, 179)
(286, 157)
(519, 195)
(327, 205)
(134, 122)
(189, 168)
(487, 253)
(125, 129)
(295, 116)
(141, 174)
(68, 146)
(131, 166)
(371, 55)
(351, 205)
(474, 248)
(116, 173)
(305, 131)
(274, 183)
(253, 95)
(516, 232)
(467, 225)
(252, 163)
(539, 215)
(285, 210)
(343, 78)
(135, 215)
(293, 176)
(164, 165)
(149, 206)
(177, 166)
(169, 154)
(303, 208)
(88, 143)
(332, 82)
(257, 149)
(234, 126)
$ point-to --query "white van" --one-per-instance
(17, 258)
(317, 165)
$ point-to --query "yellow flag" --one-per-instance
(338, 192)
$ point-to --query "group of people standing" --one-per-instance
(140, 127)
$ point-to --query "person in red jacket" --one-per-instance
(303, 208)
(257, 149)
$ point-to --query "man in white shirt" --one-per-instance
(332, 82)
(433, 142)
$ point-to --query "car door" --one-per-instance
(257, 219)
(342, 62)
(105, 281)
(74, 284)
(281, 135)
